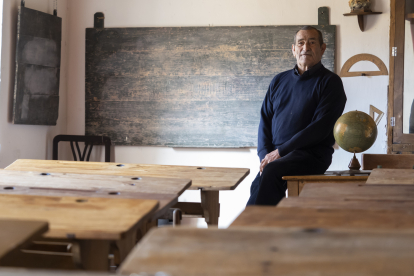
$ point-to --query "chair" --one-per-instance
(387, 161)
(89, 142)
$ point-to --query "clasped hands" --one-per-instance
(271, 156)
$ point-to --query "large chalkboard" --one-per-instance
(185, 87)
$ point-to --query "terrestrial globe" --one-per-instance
(355, 131)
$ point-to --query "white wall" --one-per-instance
(361, 91)
(25, 141)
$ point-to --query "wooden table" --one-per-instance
(348, 204)
(295, 184)
(16, 234)
(391, 177)
(274, 251)
(165, 190)
(352, 191)
(269, 216)
(90, 222)
(208, 180)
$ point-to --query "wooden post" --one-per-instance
(211, 207)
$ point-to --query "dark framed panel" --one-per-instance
(38, 53)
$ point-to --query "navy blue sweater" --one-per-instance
(300, 111)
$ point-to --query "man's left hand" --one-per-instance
(272, 156)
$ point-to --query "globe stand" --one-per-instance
(354, 164)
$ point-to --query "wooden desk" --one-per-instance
(92, 222)
(16, 234)
(208, 180)
(347, 204)
(264, 216)
(352, 191)
(272, 252)
(165, 190)
(295, 184)
(391, 177)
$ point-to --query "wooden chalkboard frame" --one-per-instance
(185, 86)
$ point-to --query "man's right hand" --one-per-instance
(272, 156)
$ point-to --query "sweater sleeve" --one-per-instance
(265, 145)
(329, 109)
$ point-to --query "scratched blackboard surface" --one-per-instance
(185, 87)
(38, 52)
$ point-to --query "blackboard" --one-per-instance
(188, 86)
(38, 52)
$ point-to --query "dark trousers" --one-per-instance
(269, 188)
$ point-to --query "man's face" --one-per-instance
(307, 49)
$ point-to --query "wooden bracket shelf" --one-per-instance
(361, 17)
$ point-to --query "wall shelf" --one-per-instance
(361, 17)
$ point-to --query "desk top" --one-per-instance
(165, 190)
(391, 177)
(206, 178)
(264, 216)
(81, 218)
(276, 251)
(341, 203)
(15, 234)
(358, 191)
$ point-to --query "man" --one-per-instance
(298, 114)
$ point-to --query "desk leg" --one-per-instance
(94, 254)
(127, 243)
(211, 207)
(293, 188)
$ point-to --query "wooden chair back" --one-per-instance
(89, 141)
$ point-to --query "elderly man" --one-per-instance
(298, 113)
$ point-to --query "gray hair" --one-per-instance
(308, 28)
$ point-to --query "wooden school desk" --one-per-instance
(165, 190)
(295, 184)
(208, 180)
(277, 251)
(16, 234)
(391, 177)
(270, 216)
(347, 204)
(91, 222)
(351, 191)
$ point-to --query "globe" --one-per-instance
(355, 131)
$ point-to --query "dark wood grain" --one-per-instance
(185, 87)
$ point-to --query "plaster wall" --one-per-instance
(361, 91)
(27, 141)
